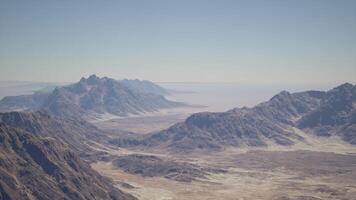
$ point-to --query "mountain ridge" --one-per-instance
(94, 96)
(272, 121)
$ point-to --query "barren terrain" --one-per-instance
(311, 169)
(251, 175)
(147, 122)
(318, 169)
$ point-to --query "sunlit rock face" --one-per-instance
(330, 113)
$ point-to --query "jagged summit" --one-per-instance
(94, 96)
(93, 79)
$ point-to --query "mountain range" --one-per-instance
(277, 121)
(44, 150)
(92, 97)
(42, 146)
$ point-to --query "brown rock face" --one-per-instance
(32, 167)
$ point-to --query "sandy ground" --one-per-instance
(319, 169)
(260, 181)
(148, 122)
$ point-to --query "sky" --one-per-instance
(310, 42)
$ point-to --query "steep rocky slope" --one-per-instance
(74, 132)
(32, 167)
(336, 115)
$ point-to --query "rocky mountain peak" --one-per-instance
(345, 86)
(282, 95)
(91, 80)
(93, 96)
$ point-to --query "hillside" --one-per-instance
(273, 122)
(153, 166)
(144, 87)
(32, 167)
(74, 132)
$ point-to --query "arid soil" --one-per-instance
(149, 122)
(316, 168)
(319, 170)
(252, 175)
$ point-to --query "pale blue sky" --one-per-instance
(259, 42)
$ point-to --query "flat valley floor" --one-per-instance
(320, 170)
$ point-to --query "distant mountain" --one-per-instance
(37, 168)
(144, 87)
(23, 102)
(94, 96)
(15, 88)
(272, 122)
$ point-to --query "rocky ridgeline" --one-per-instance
(315, 112)
(93, 96)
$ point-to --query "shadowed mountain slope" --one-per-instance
(32, 167)
(336, 114)
(74, 132)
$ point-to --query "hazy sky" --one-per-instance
(260, 42)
